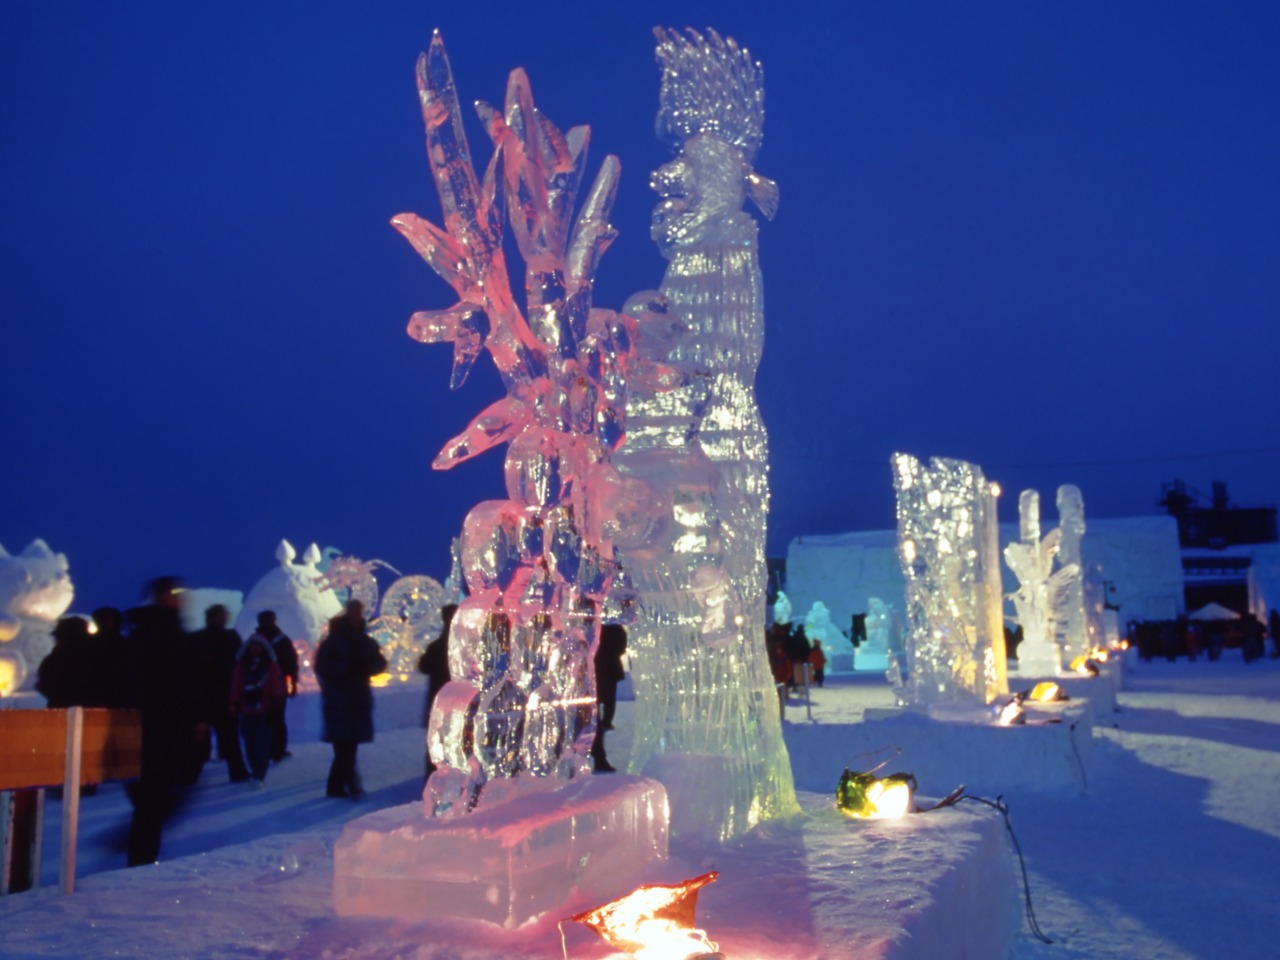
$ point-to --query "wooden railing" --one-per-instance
(57, 748)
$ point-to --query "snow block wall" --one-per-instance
(1139, 555)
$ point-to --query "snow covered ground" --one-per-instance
(1171, 853)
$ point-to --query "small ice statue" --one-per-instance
(782, 608)
(695, 492)
(949, 548)
(882, 623)
(1070, 613)
(1042, 592)
(537, 565)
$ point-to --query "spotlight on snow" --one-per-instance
(1046, 692)
(12, 673)
(1084, 666)
(868, 797)
(655, 922)
(1011, 714)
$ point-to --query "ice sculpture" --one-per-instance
(1042, 593)
(690, 511)
(949, 549)
(35, 590)
(882, 629)
(538, 564)
(408, 619)
(1074, 631)
(818, 626)
(782, 608)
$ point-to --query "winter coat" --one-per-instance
(162, 668)
(345, 660)
(817, 659)
(434, 662)
(286, 655)
(257, 690)
(216, 651)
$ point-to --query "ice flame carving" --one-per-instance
(1042, 592)
(536, 564)
(948, 544)
(692, 505)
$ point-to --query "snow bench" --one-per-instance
(57, 748)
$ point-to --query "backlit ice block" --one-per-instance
(505, 863)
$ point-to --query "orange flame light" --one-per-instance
(1084, 666)
(1011, 713)
(654, 922)
(1046, 691)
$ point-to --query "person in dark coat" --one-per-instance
(111, 685)
(256, 691)
(287, 658)
(609, 673)
(345, 660)
(1273, 625)
(216, 648)
(162, 681)
(434, 662)
(66, 676)
(798, 650)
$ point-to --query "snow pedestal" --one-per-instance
(1098, 693)
(946, 750)
(507, 864)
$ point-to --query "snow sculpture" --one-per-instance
(301, 598)
(948, 546)
(782, 608)
(1074, 631)
(35, 590)
(1042, 593)
(537, 565)
(818, 626)
(882, 626)
(689, 514)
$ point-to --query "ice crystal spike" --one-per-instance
(690, 500)
(948, 542)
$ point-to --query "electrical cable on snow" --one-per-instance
(999, 804)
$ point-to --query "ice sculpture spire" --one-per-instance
(1041, 592)
(693, 501)
(948, 543)
(536, 565)
(1075, 639)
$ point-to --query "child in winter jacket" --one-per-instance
(257, 692)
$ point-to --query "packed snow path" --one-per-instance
(1170, 855)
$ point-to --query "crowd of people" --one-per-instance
(195, 690)
(1189, 638)
(790, 652)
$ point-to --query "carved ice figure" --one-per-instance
(818, 626)
(1042, 593)
(949, 549)
(35, 590)
(1074, 632)
(538, 564)
(693, 499)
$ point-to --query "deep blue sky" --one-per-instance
(1043, 237)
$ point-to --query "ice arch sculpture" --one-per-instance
(1042, 594)
(693, 498)
(537, 565)
(948, 543)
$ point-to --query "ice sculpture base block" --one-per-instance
(1098, 692)
(505, 865)
(945, 751)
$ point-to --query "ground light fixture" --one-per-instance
(655, 922)
(869, 797)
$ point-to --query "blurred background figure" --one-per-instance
(286, 656)
(162, 686)
(609, 673)
(216, 648)
(257, 691)
(434, 662)
(345, 660)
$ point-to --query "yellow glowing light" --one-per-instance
(1045, 691)
(1082, 666)
(889, 800)
(380, 680)
(1011, 713)
(8, 677)
(1099, 653)
(995, 489)
(654, 922)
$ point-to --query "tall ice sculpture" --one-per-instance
(693, 501)
(948, 543)
(1042, 593)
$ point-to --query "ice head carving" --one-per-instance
(948, 545)
(692, 498)
(538, 565)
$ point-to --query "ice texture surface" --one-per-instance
(690, 510)
(537, 566)
(1070, 612)
(511, 860)
(948, 545)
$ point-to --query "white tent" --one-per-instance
(1213, 611)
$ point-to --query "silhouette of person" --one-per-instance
(609, 673)
(162, 680)
(345, 660)
(434, 662)
(217, 647)
(287, 658)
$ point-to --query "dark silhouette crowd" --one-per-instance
(1184, 637)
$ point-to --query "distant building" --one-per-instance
(1221, 546)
